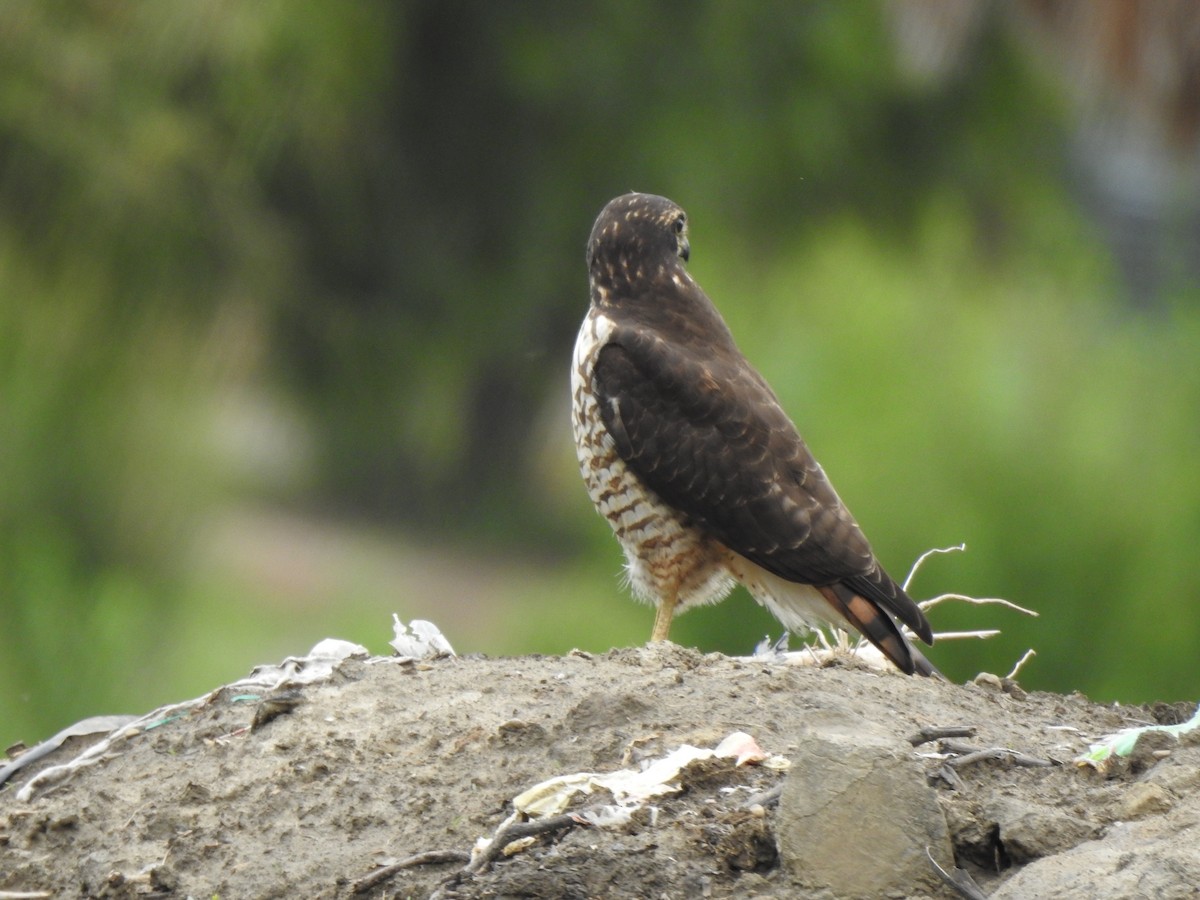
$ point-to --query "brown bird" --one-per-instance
(687, 453)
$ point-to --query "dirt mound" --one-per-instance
(306, 792)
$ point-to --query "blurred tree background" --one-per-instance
(288, 293)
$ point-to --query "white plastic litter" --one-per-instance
(632, 787)
(419, 640)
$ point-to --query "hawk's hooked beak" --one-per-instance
(685, 249)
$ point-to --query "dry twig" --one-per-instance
(768, 797)
(1029, 654)
(938, 732)
(514, 831)
(971, 755)
(977, 601)
(912, 573)
(929, 604)
(508, 832)
(430, 858)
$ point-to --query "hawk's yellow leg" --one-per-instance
(662, 618)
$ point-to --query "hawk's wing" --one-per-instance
(709, 437)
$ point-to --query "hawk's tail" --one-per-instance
(879, 628)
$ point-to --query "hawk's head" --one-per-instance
(637, 231)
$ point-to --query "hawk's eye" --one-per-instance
(679, 224)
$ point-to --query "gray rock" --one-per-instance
(1030, 831)
(857, 815)
(1157, 857)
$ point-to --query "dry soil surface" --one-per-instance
(249, 794)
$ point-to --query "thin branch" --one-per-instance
(768, 797)
(978, 601)
(430, 858)
(972, 755)
(938, 732)
(924, 556)
(506, 834)
(1029, 654)
(959, 635)
(509, 831)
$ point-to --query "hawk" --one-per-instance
(688, 454)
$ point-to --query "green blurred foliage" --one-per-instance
(372, 215)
